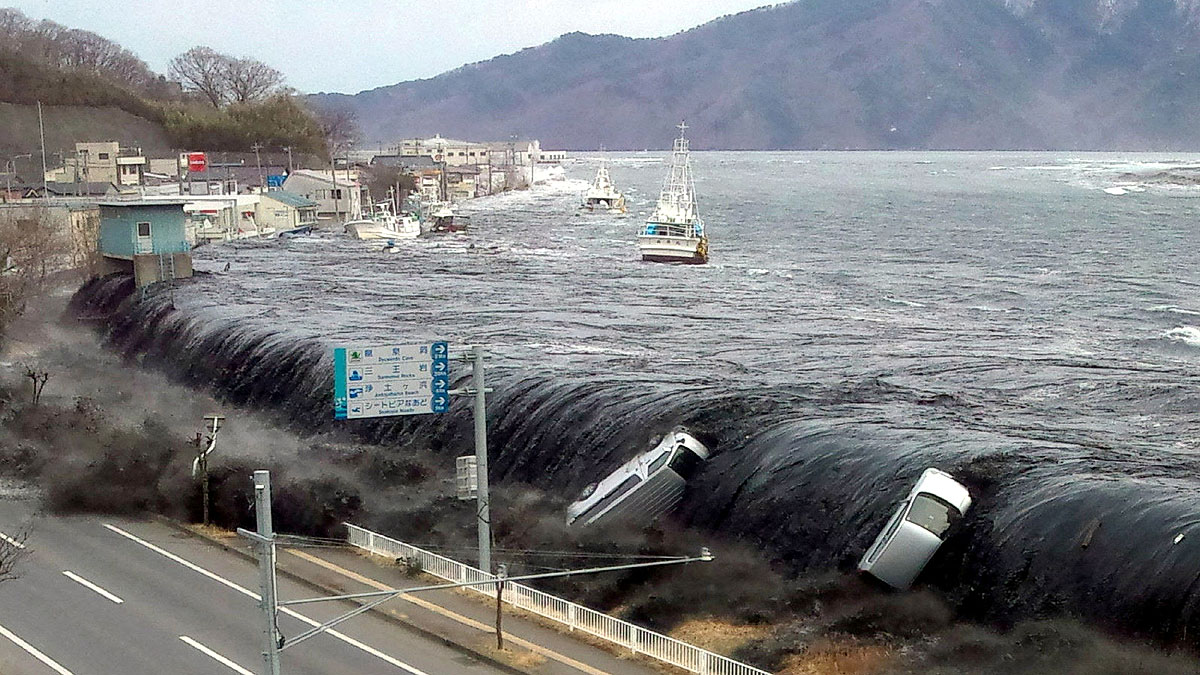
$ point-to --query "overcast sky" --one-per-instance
(351, 45)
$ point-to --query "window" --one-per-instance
(611, 497)
(932, 513)
(685, 462)
(143, 229)
(103, 155)
(657, 463)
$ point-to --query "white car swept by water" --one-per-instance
(643, 488)
(916, 530)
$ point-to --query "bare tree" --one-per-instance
(203, 70)
(340, 128)
(249, 80)
(12, 550)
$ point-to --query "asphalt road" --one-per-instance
(110, 596)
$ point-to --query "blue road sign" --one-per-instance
(381, 381)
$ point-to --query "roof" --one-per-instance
(406, 161)
(144, 202)
(291, 199)
(65, 189)
(322, 176)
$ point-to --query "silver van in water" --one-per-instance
(643, 488)
(916, 530)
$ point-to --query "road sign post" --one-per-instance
(268, 600)
(382, 381)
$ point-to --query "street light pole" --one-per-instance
(200, 464)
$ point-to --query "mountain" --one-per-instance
(832, 74)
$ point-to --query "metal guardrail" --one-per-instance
(576, 617)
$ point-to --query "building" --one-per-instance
(57, 190)
(145, 238)
(340, 199)
(218, 180)
(105, 162)
(218, 217)
(281, 211)
(452, 152)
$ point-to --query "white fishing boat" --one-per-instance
(443, 218)
(383, 224)
(674, 233)
(603, 195)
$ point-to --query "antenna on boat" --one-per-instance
(682, 128)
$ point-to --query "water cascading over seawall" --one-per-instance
(1056, 527)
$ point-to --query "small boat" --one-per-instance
(602, 195)
(443, 219)
(383, 224)
(295, 231)
(674, 233)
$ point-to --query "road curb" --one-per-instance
(322, 588)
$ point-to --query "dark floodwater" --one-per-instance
(1029, 322)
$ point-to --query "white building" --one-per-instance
(340, 199)
(452, 152)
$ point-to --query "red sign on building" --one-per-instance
(197, 162)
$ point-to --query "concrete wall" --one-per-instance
(148, 269)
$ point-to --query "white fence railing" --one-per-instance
(576, 617)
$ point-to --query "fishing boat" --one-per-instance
(602, 195)
(674, 233)
(442, 219)
(383, 224)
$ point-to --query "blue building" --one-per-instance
(145, 238)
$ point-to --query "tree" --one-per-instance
(340, 128)
(12, 550)
(249, 80)
(205, 71)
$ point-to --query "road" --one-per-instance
(108, 596)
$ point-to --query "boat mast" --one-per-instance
(679, 190)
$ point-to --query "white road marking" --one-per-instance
(251, 594)
(94, 587)
(215, 656)
(32, 650)
(12, 541)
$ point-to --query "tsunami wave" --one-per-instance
(1061, 523)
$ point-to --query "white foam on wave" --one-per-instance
(1188, 335)
(901, 301)
(1172, 309)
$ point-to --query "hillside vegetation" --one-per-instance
(101, 91)
(826, 74)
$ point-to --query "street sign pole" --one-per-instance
(481, 460)
(266, 570)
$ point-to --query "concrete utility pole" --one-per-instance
(288, 149)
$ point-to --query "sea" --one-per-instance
(1028, 322)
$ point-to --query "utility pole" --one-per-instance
(42, 133)
(288, 148)
(262, 182)
(501, 574)
(266, 571)
(481, 460)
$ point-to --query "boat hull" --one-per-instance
(670, 249)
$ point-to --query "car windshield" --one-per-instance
(685, 462)
(932, 513)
